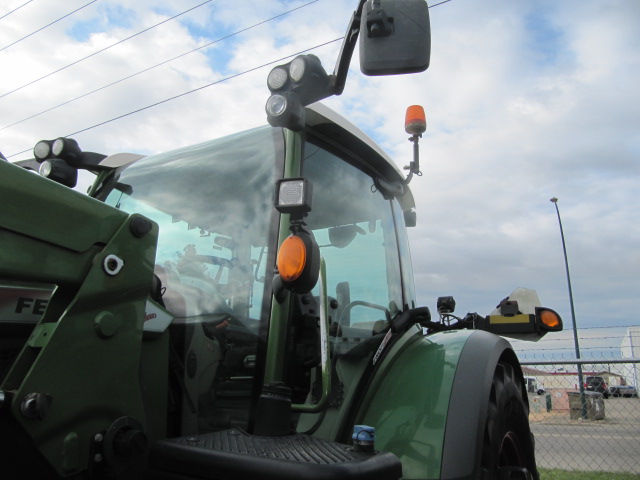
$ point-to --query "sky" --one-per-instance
(525, 101)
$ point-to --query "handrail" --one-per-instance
(324, 350)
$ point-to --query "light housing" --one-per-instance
(309, 79)
(67, 149)
(299, 262)
(59, 171)
(446, 304)
(293, 196)
(285, 110)
(520, 316)
(277, 79)
(293, 86)
(548, 320)
(523, 326)
(298, 68)
(292, 258)
(42, 150)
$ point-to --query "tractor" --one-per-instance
(245, 307)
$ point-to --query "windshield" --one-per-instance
(213, 203)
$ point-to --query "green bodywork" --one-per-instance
(84, 356)
(408, 400)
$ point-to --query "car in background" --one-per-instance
(596, 384)
(623, 391)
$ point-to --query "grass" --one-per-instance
(575, 475)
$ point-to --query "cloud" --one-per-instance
(524, 102)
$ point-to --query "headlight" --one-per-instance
(42, 150)
(66, 148)
(297, 68)
(276, 105)
(59, 171)
(285, 110)
(277, 79)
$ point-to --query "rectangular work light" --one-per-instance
(293, 195)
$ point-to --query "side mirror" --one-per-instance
(395, 37)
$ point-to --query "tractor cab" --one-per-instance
(217, 247)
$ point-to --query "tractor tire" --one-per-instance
(508, 449)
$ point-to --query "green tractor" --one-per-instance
(245, 308)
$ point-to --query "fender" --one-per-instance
(429, 399)
(469, 402)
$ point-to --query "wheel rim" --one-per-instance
(511, 451)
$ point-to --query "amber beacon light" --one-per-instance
(415, 121)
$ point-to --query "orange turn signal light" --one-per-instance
(292, 258)
(415, 121)
(549, 319)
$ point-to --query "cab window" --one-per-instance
(354, 227)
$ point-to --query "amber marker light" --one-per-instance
(549, 319)
(292, 258)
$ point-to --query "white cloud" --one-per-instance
(524, 102)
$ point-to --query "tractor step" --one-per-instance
(236, 455)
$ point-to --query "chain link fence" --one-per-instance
(593, 425)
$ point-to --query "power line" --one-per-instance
(103, 49)
(190, 91)
(199, 88)
(48, 25)
(436, 4)
(158, 65)
(17, 8)
(204, 86)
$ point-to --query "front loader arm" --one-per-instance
(74, 388)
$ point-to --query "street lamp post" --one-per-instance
(554, 200)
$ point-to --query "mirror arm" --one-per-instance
(339, 77)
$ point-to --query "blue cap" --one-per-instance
(363, 435)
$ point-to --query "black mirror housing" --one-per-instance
(395, 37)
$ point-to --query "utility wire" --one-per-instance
(103, 49)
(157, 65)
(190, 91)
(199, 88)
(17, 8)
(436, 4)
(48, 25)
(204, 86)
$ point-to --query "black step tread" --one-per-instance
(295, 448)
(236, 455)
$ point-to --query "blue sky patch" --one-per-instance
(81, 31)
(110, 16)
(545, 39)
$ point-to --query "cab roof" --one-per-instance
(336, 129)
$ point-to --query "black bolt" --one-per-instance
(140, 226)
